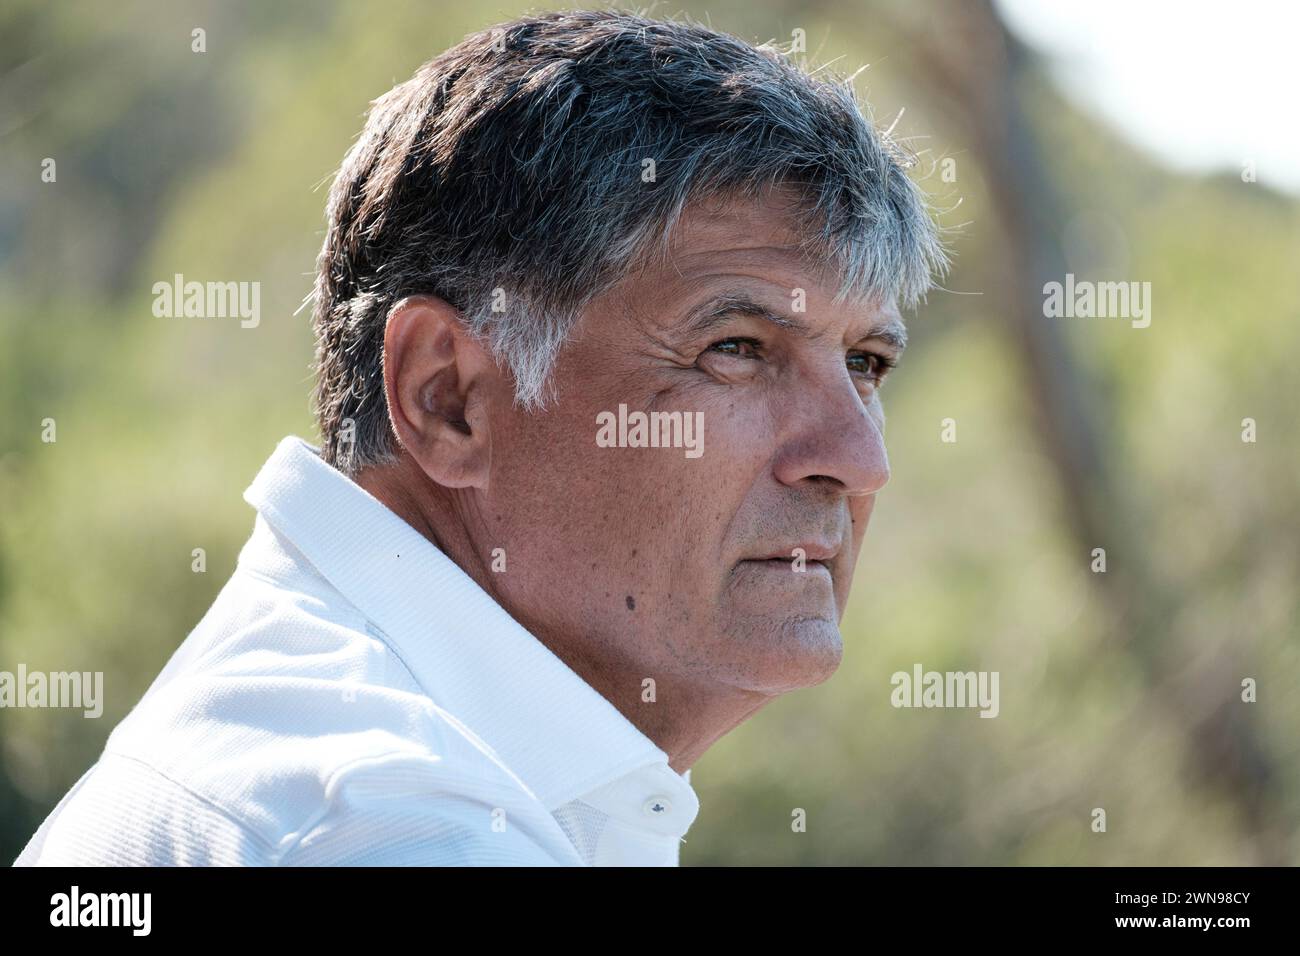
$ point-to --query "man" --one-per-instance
(603, 313)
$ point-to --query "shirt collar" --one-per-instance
(548, 725)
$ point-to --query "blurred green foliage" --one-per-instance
(215, 165)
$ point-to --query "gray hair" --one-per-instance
(509, 169)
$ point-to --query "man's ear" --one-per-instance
(438, 378)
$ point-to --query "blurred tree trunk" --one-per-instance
(980, 73)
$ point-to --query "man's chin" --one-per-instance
(790, 652)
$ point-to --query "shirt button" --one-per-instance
(657, 806)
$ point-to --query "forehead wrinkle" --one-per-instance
(783, 214)
(688, 263)
(779, 249)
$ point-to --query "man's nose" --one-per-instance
(832, 435)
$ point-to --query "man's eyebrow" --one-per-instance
(890, 331)
(717, 309)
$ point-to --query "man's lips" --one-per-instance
(782, 564)
(781, 573)
(821, 552)
(817, 557)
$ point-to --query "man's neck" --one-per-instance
(698, 715)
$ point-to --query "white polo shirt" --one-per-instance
(352, 697)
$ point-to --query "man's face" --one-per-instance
(684, 568)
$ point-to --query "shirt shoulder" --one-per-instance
(285, 731)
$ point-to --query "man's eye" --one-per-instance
(739, 347)
(871, 364)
